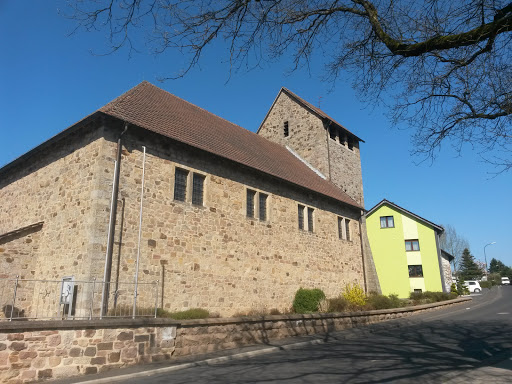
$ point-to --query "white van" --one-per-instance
(505, 281)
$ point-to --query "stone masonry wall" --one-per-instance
(307, 135)
(31, 351)
(213, 256)
(310, 139)
(56, 187)
(41, 354)
(345, 169)
(447, 272)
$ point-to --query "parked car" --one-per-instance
(505, 281)
(473, 286)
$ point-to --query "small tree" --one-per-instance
(469, 269)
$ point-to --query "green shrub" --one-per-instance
(453, 288)
(338, 304)
(355, 296)
(376, 301)
(486, 284)
(193, 313)
(395, 301)
(416, 296)
(307, 300)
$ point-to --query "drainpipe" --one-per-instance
(112, 226)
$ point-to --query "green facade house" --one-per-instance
(406, 251)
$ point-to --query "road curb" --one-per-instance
(210, 361)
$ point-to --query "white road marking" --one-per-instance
(503, 313)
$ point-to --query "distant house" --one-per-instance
(406, 251)
(230, 220)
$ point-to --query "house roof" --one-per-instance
(316, 111)
(156, 110)
(438, 228)
(447, 255)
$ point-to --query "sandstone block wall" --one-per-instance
(447, 273)
(51, 354)
(310, 139)
(307, 136)
(213, 256)
(57, 187)
(48, 350)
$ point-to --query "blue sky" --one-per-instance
(49, 80)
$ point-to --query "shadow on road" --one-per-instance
(426, 352)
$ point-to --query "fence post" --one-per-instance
(14, 297)
(92, 297)
(156, 299)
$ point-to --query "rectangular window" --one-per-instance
(412, 245)
(286, 130)
(347, 229)
(310, 219)
(301, 216)
(415, 271)
(250, 202)
(262, 206)
(197, 189)
(418, 291)
(180, 184)
(387, 222)
(340, 228)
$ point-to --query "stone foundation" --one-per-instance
(41, 350)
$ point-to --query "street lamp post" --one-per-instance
(485, 256)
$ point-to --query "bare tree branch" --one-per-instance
(443, 67)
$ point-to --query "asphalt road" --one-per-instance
(468, 343)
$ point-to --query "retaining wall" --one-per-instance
(38, 350)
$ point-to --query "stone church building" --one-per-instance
(230, 220)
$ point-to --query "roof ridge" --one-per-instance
(111, 106)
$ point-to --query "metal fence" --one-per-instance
(69, 299)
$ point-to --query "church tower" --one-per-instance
(318, 139)
(328, 148)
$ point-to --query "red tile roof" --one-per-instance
(154, 109)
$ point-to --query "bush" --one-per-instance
(355, 296)
(376, 301)
(486, 284)
(307, 300)
(395, 301)
(193, 313)
(428, 297)
(416, 296)
(338, 304)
